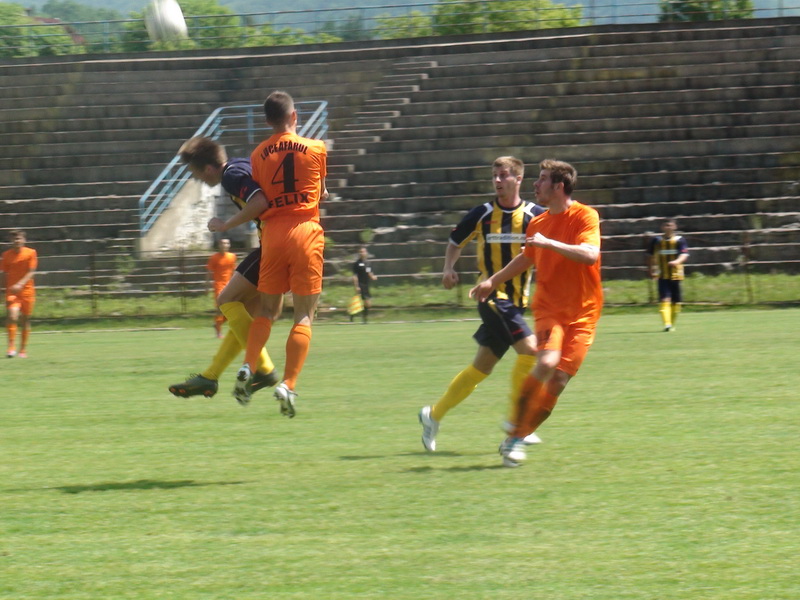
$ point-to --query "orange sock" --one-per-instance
(12, 336)
(543, 406)
(26, 331)
(260, 329)
(297, 346)
(531, 387)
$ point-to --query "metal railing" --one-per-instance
(41, 37)
(226, 121)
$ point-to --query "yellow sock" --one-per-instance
(229, 347)
(460, 387)
(676, 310)
(239, 322)
(523, 366)
(666, 313)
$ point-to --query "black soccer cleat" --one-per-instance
(196, 385)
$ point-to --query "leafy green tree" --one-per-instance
(414, 24)
(459, 17)
(94, 25)
(351, 29)
(22, 35)
(705, 10)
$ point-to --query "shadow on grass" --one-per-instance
(141, 484)
(462, 469)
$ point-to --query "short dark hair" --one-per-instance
(561, 172)
(14, 233)
(278, 107)
(200, 151)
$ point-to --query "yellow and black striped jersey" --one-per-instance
(666, 250)
(238, 182)
(500, 233)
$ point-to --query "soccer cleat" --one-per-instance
(262, 380)
(287, 399)
(243, 388)
(22, 354)
(196, 385)
(528, 440)
(513, 452)
(668, 328)
(11, 354)
(430, 427)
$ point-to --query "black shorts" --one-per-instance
(364, 291)
(250, 266)
(503, 325)
(670, 288)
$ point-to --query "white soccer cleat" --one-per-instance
(242, 390)
(528, 440)
(287, 399)
(430, 427)
(513, 452)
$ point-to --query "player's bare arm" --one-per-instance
(680, 260)
(449, 274)
(254, 208)
(519, 264)
(586, 254)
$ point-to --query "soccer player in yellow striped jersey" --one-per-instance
(499, 228)
(665, 257)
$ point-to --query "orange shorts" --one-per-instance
(572, 340)
(24, 302)
(291, 259)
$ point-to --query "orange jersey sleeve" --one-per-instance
(565, 289)
(290, 170)
(17, 264)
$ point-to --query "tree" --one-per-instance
(457, 17)
(23, 35)
(705, 10)
(414, 24)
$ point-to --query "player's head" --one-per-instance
(668, 226)
(507, 173)
(224, 245)
(279, 110)
(17, 238)
(362, 252)
(561, 176)
(205, 159)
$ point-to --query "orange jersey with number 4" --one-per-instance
(290, 170)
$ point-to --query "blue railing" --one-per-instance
(225, 121)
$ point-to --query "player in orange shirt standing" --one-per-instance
(17, 267)
(220, 268)
(291, 171)
(564, 245)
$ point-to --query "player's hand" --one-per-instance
(216, 224)
(15, 289)
(449, 279)
(481, 291)
(538, 240)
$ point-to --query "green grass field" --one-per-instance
(669, 470)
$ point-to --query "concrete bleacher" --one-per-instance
(698, 122)
(695, 121)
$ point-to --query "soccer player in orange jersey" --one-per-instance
(291, 171)
(17, 267)
(564, 246)
(220, 268)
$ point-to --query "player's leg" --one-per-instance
(26, 310)
(677, 300)
(12, 320)
(305, 263)
(260, 329)
(367, 298)
(236, 301)
(665, 302)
